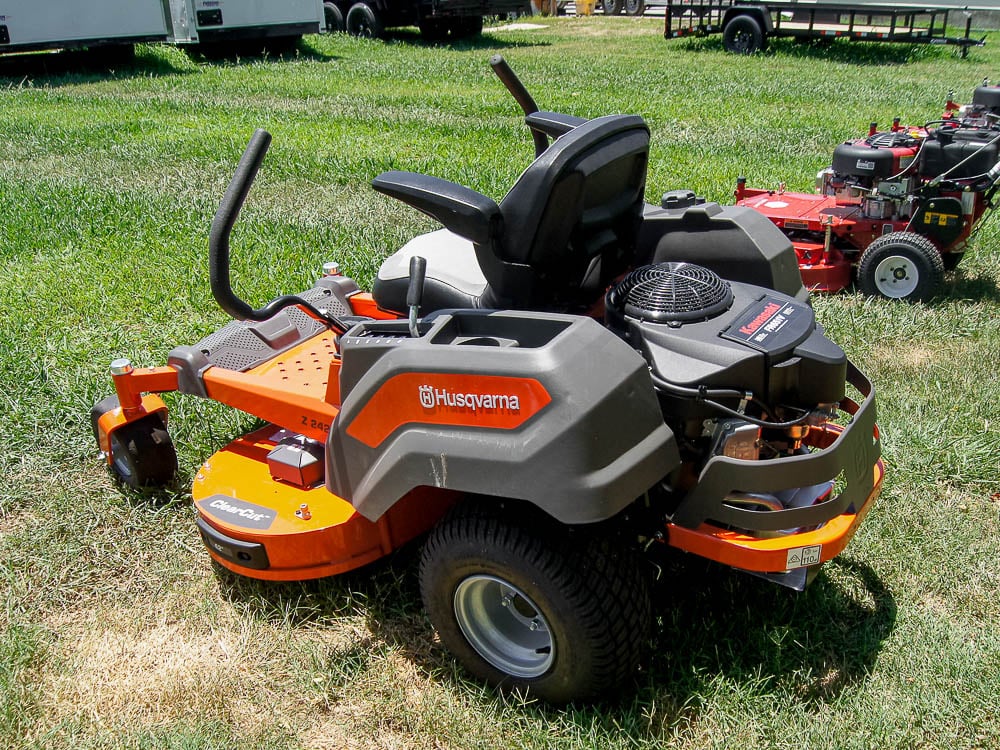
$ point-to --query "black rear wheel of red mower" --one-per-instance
(525, 604)
(142, 453)
(951, 260)
(901, 265)
(743, 36)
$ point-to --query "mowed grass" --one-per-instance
(115, 629)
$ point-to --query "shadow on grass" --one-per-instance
(960, 285)
(485, 42)
(65, 67)
(842, 51)
(713, 624)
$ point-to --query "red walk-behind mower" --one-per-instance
(897, 208)
(546, 389)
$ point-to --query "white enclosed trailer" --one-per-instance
(27, 25)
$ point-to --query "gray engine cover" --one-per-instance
(551, 409)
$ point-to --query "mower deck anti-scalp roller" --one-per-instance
(545, 389)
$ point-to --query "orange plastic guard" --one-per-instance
(705, 524)
(780, 553)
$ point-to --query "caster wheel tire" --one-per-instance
(525, 605)
(743, 36)
(142, 453)
(363, 21)
(901, 265)
(333, 19)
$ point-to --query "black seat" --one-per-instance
(564, 230)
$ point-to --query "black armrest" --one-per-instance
(465, 212)
(553, 124)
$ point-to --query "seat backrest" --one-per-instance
(570, 221)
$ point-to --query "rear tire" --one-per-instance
(333, 18)
(526, 604)
(743, 36)
(363, 21)
(612, 7)
(901, 265)
(635, 7)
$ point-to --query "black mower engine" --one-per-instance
(983, 112)
(740, 370)
(874, 173)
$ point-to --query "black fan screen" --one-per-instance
(671, 293)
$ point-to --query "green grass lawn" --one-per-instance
(115, 629)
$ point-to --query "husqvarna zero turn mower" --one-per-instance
(545, 387)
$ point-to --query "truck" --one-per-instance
(65, 24)
(746, 25)
(438, 20)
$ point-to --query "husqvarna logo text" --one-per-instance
(432, 398)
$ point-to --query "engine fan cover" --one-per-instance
(671, 293)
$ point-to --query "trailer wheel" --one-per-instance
(362, 20)
(635, 7)
(901, 265)
(333, 18)
(525, 606)
(142, 453)
(612, 7)
(743, 36)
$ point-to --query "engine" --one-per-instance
(875, 173)
(739, 369)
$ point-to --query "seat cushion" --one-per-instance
(453, 279)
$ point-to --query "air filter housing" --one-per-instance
(671, 293)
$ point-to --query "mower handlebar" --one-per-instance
(218, 242)
(509, 79)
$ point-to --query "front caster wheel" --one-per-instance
(901, 265)
(526, 604)
(142, 453)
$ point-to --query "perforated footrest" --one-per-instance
(242, 345)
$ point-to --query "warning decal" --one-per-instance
(799, 557)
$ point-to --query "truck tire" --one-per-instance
(333, 19)
(901, 265)
(433, 29)
(363, 21)
(635, 7)
(523, 605)
(612, 7)
(466, 27)
(743, 36)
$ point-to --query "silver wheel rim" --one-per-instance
(896, 277)
(504, 626)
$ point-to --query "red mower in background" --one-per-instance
(896, 209)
